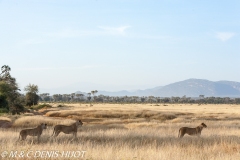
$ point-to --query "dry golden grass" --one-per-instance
(134, 131)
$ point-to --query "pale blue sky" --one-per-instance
(120, 44)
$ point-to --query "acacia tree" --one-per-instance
(45, 97)
(93, 93)
(11, 99)
(150, 98)
(79, 96)
(72, 96)
(31, 96)
(89, 96)
(143, 99)
(65, 97)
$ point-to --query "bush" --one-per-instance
(37, 107)
(17, 108)
(31, 99)
(4, 110)
(61, 105)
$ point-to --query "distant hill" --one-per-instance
(190, 88)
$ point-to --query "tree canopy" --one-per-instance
(10, 97)
(31, 96)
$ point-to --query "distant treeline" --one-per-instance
(12, 101)
(45, 97)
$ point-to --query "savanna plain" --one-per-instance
(129, 131)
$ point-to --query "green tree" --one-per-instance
(93, 93)
(5, 91)
(45, 97)
(72, 96)
(58, 97)
(143, 99)
(9, 92)
(31, 88)
(89, 96)
(31, 96)
(150, 99)
(81, 96)
(65, 97)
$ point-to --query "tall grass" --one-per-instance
(137, 137)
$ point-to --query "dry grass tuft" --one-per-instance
(33, 121)
(5, 119)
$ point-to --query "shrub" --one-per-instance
(61, 105)
(37, 107)
(4, 110)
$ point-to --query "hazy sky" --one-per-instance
(119, 44)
